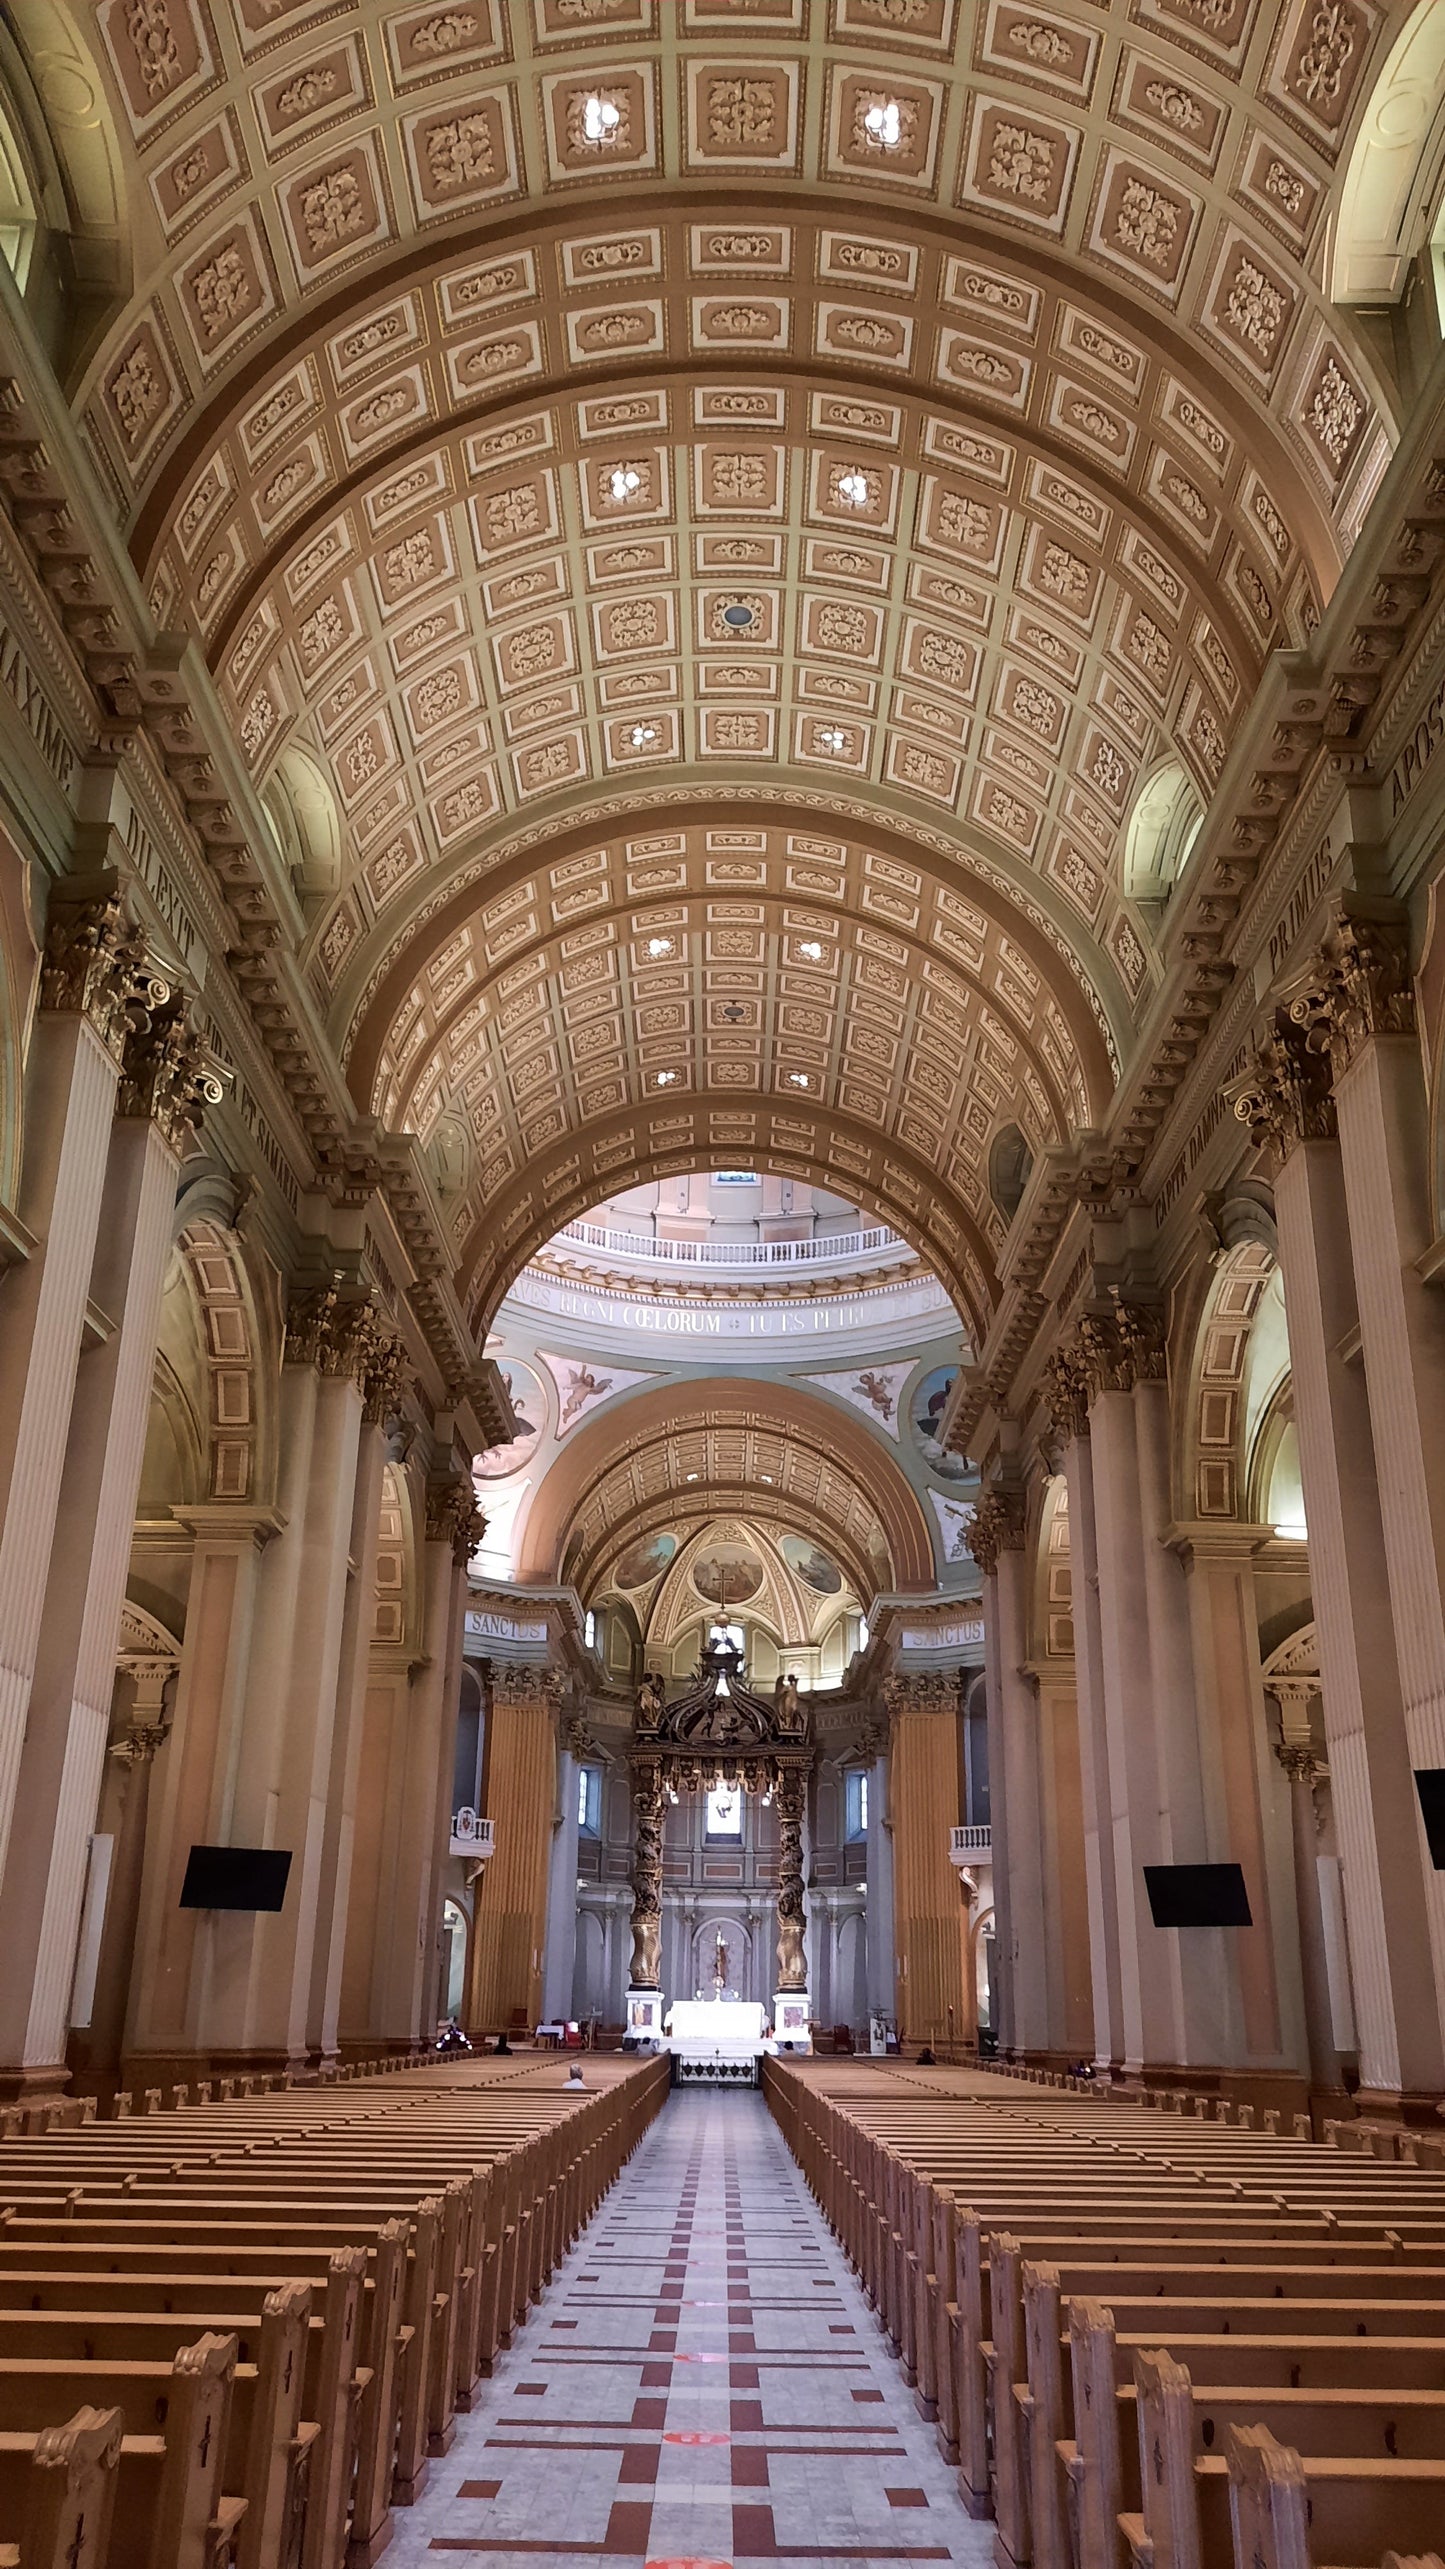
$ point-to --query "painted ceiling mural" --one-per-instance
(704, 514)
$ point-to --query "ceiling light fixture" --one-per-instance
(624, 481)
(642, 735)
(601, 118)
(832, 739)
(810, 950)
(739, 617)
(853, 487)
(657, 947)
(797, 1079)
(665, 1078)
(883, 124)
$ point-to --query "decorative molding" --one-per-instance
(165, 1075)
(1000, 1524)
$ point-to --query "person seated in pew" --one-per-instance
(574, 2077)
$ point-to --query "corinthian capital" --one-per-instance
(1287, 1097)
(340, 1336)
(386, 1375)
(1067, 1392)
(1359, 986)
(94, 966)
(998, 1524)
(523, 1683)
(164, 1073)
(923, 1691)
(453, 1516)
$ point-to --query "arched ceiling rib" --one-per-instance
(766, 1450)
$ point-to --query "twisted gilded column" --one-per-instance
(791, 1798)
(648, 1810)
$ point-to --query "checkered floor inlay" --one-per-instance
(702, 2386)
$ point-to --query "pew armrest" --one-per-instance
(1136, 2542)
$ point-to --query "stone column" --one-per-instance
(259, 1967)
(520, 1791)
(163, 1087)
(165, 2032)
(1151, 1966)
(90, 975)
(1267, 1999)
(95, 2044)
(1364, 1009)
(1070, 2016)
(1069, 1407)
(409, 1716)
(560, 1963)
(923, 1784)
(385, 1379)
(996, 1538)
(1301, 1765)
(878, 1925)
(1288, 1104)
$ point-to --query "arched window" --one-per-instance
(1010, 1166)
(1162, 829)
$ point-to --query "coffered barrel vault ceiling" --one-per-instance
(540, 489)
(773, 1454)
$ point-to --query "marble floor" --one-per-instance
(702, 2385)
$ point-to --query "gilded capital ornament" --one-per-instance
(164, 1073)
(1298, 1760)
(1067, 1392)
(1359, 986)
(453, 1516)
(932, 1690)
(998, 1524)
(138, 1745)
(526, 1683)
(94, 966)
(386, 1377)
(1287, 1097)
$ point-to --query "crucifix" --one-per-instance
(719, 1966)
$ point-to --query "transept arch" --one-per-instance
(1395, 175)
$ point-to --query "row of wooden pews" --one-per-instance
(233, 2335)
(1149, 2341)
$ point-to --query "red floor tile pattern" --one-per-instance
(703, 2409)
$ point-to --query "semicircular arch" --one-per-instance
(661, 1420)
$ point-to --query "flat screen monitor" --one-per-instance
(236, 1877)
(1430, 1785)
(1197, 1895)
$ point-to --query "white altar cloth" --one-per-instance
(715, 2025)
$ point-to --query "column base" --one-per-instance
(26, 2085)
(645, 2011)
(793, 2020)
(1418, 2108)
(1282, 2089)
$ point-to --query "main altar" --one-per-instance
(718, 1733)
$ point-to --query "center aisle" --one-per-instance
(703, 2384)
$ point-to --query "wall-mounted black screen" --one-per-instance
(1197, 1895)
(236, 1877)
(1430, 1785)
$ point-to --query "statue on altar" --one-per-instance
(651, 1701)
(720, 1961)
